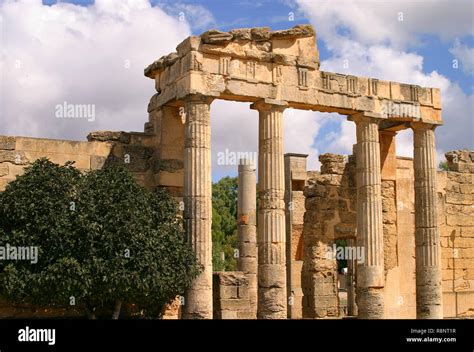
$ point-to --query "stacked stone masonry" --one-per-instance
(231, 296)
(330, 215)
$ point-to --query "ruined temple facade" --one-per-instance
(273, 71)
(330, 214)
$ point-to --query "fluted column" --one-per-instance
(429, 299)
(247, 229)
(370, 273)
(197, 203)
(272, 300)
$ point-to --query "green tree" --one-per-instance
(224, 223)
(104, 240)
(443, 166)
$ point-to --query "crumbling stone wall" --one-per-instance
(330, 215)
(133, 150)
(456, 219)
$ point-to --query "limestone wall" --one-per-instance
(18, 152)
(330, 215)
(133, 150)
(456, 219)
(295, 181)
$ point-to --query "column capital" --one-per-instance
(365, 117)
(269, 104)
(198, 98)
(423, 126)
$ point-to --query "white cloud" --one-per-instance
(81, 55)
(196, 15)
(464, 54)
(374, 43)
(397, 23)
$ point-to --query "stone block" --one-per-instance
(97, 162)
(7, 143)
(3, 170)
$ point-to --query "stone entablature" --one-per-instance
(252, 64)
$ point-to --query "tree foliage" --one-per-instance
(103, 240)
(224, 223)
(443, 166)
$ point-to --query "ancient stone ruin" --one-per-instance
(413, 222)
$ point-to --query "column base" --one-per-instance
(370, 303)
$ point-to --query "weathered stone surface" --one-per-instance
(109, 136)
(298, 31)
(231, 278)
(241, 34)
(332, 163)
(460, 161)
(231, 298)
(136, 158)
(155, 66)
(197, 189)
(97, 162)
(7, 143)
(3, 170)
(260, 33)
(13, 156)
(216, 37)
(272, 300)
(170, 165)
(170, 59)
(429, 302)
(246, 224)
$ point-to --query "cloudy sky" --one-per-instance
(94, 52)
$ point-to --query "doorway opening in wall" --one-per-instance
(404, 143)
(234, 129)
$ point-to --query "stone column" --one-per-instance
(247, 229)
(272, 298)
(429, 299)
(197, 203)
(370, 273)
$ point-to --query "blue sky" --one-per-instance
(78, 54)
(231, 14)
